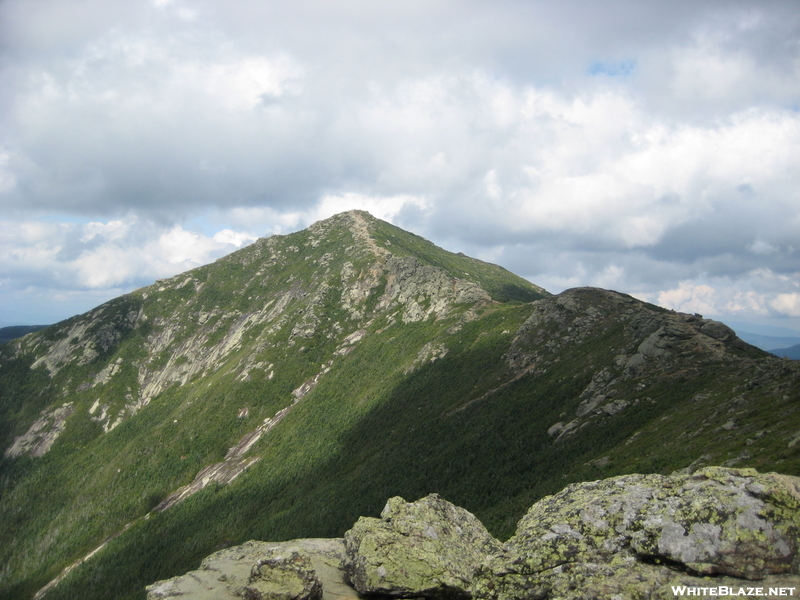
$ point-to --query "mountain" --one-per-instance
(770, 343)
(296, 384)
(793, 352)
(17, 331)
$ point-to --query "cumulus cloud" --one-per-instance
(93, 256)
(648, 147)
(688, 297)
(760, 293)
(787, 304)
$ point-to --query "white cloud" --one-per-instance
(690, 298)
(762, 248)
(787, 304)
(113, 230)
(100, 256)
(719, 68)
(234, 238)
(243, 84)
(382, 207)
(631, 145)
(706, 72)
(747, 302)
(760, 293)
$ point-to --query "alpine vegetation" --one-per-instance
(293, 386)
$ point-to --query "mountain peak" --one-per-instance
(298, 382)
(339, 276)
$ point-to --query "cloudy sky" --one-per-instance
(648, 147)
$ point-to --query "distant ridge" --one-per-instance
(17, 331)
(793, 352)
(770, 343)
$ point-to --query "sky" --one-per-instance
(652, 147)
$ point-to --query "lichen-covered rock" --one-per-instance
(626, 579)
(424, 548)
(260, 569)
(716, 521)
(283, 575)
(719, 533)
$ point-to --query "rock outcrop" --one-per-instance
(718, 533)
(635, 535)
(41, 436)
(424, 548)
(282, 575)
(308, 569)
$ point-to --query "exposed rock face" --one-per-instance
(41, 436)
(650, 343)
(283, 575)
(424, 548)
(423, 290)
(607, 537)
(295, 570)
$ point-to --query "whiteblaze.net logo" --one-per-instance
(725, 591)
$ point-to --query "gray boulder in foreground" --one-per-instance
(425, 548)
(283, 574)
(637, 535)
(307, 568)
(717, 533)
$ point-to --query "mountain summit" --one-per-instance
(322, 287)
(295, 384)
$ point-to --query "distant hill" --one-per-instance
(17, 331)
(286, 389)
(792, 352)
(770, 343)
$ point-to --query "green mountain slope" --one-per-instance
(293, 386)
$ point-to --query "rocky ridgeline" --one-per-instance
(647, 344)
(190, 341)
(717, 532)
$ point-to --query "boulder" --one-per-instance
(306, 568)
(616, 536)
(717, 532)
(283, 575)
(628, 579)
(717, 330)
(424, 548)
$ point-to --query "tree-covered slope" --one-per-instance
(293, 386)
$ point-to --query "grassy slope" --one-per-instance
(354, 445)
(89, 485)
(368, 431)
(503, 285)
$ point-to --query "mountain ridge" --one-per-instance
(297, 383)
(792, 352)
(13, 332)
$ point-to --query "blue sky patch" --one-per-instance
(612, 69)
